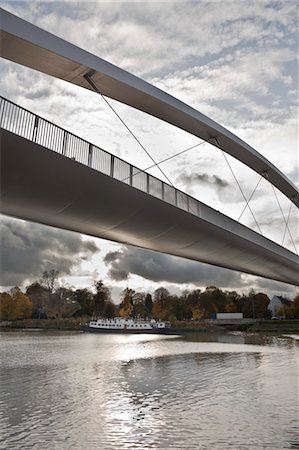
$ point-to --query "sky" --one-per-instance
(234, 61)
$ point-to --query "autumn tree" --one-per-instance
(234, 302)
(7, 310)
(15, 306)
(23, 305)
(291, 309)
(126, 305)
(206, 303)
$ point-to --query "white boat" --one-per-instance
(126, 325)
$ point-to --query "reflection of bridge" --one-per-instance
(42, 180)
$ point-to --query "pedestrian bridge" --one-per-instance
(51, 176)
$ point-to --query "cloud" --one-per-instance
(161, 268)
(28, 249)
(196, 179)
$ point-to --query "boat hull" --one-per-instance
(87, 328)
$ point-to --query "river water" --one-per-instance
(65, 390)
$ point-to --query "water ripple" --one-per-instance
(71, 391)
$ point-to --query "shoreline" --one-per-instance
(73, 324)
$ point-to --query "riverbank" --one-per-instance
(70, 324)
(184, 326)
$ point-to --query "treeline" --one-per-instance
(45, 299)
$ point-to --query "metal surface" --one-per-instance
(53, 177)
(30, 46)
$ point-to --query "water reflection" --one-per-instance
(62, 391)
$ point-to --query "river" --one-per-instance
(66, 390)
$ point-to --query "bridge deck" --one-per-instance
(45, 186)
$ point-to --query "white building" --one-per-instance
(275, 305)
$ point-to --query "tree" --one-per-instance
(86, 301)
(291, 310)
(139, 309)
(101, 297)
(194, 304)
(177, 307)
(295, 307)
(61, 304)
(126, 305)
(16, 306)
(110, 309)
(148, 305)
(23, 305)
(50, 279)
(7, 310)
(230, 308)
(233, 298)
(37, 294)
(162, 304)
(255, 305)
(206, 304)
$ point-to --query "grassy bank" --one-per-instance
(185, 326)
(73, 324)
(276, 326)
(262, 326)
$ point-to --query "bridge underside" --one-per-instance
(40, 185)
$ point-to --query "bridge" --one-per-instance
(51, 176)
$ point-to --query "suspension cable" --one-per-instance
(93, 85)
(284, 219)
(285, 228)
(88, 79)
(175, 155)
(250, 198)
(241, 191)
(166, 159)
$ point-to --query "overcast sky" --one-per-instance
(235, 61)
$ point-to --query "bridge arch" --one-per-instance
(26, 44)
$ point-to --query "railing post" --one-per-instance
(64, 143)
(112, 167)
(89, 163)
(131, 175)
(162, 190)
(35, 127)
(147, 184)
(176, 197)
(198, 209)
(3, 102)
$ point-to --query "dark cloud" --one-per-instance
(159, 267)
(38, 93)
(194, 179)
(27, 249)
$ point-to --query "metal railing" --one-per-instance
(24, 123)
